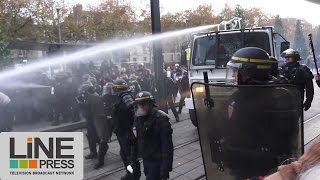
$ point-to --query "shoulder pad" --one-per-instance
(128, 100)
(163, 122)
(306, 71)
(160, 113)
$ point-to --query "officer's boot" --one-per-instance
(93, 149)
(137, 171)
(103, 148)
(177, 118)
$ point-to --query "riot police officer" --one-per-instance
(123, 117)
(6, 115)
(101, 110)
(96, 86)
(299, 75)
(261, 121)
(85, 106)
(153, 133)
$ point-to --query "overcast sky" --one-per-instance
(301, 9)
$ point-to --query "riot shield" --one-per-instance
(247, 131)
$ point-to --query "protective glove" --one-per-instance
(306, 106)
(130, 169)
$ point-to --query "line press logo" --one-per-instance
(40, 154)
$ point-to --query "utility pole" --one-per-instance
(157, 55)
(59, 29)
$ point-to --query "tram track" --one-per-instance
(118, 169)
(203, 177)
(310, 120)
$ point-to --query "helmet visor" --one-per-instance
(107, 90)
(232, 73)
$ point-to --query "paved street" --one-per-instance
(187, 155)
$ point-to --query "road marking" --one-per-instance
(311, 118)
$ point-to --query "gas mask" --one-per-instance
(142, 110)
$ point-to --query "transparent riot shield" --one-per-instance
(247, 131)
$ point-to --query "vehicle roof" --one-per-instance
(211, 33)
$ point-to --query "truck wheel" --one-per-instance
(193, 118)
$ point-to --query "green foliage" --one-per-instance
(278, 26)
(4, 52)
(300, 41)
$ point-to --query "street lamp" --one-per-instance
(59, 29)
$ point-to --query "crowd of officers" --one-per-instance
(122, 102)
(36, 96)
(111, 100)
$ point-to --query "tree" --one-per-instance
(4, 52)
(255, 17)
(300, 41)
(202, 15)
(278, 28)
(226, 13)
(239, 12)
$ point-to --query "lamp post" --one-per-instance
(59, 29)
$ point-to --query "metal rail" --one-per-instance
(115, 170)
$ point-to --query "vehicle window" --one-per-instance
(210, 51)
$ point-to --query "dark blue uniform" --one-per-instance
(301, 76)
(6, 115)
(123, 117)
(154, 136)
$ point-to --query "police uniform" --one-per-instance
(103, 126)
(6, 115)
(298, 75)
(123, 115)
(153, 133)
(260, 128)
(85, 103)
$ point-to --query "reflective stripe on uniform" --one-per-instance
(188, 54)
(120, 86)
(251, 60)
(142, 98)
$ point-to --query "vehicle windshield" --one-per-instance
(217, 50)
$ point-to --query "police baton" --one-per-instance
(312, 49)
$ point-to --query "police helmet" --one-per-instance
(107, 89)
(120, 85)
(86, 87)
(249, 63)
(141, 65)
(291, 53)
(145, 97)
